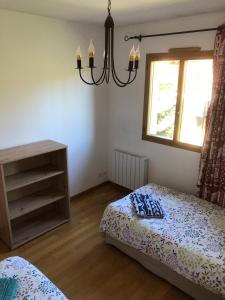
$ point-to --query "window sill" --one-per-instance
(171, 143)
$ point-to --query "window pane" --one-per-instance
(197, 93)
(163, 97)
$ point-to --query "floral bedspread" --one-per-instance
(190, 239)
(33, 285)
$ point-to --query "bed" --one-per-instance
(186, 247)
(32, 284)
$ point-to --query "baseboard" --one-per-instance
(88, 190)
(119, 187)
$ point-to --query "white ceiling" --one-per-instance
(123, 11)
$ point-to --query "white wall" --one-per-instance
(168, 166)
(42, 98)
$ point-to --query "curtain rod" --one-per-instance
(140, 37)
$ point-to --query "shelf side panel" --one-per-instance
(5, 226)
(60, 160)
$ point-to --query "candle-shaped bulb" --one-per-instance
(78, 56)
(131, 59)
(132, 54)
(91, 54)
(103, 55)
(137, 57)
(78, 53)
(137, 53)
(91, 50)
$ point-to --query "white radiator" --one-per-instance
(129, 170)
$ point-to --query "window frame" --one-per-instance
(177, 54)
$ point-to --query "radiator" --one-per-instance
(129, 170)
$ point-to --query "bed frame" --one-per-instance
(164, 272)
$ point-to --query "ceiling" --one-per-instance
(123, 11)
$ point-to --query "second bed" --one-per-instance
(186, 247)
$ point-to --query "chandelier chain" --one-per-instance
(109, 6)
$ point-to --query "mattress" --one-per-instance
(189, 240)
(32, 284)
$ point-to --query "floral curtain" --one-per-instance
(211, 181)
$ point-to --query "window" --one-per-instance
(178, 90)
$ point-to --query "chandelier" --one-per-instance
(108, 56)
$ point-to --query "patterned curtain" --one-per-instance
(211, 181)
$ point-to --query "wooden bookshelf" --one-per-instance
(33, 180)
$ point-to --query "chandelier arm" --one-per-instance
(107, 76)
(100, 80)
(118, 82)
(128, 81)
(107, 56)
(116, 78)
(104, 72)
(135, 75)
(122, 83)
(106, 49)
(89, 83)
(108, 42)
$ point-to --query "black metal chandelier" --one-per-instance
(109, 66)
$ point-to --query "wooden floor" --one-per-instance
(77, 260)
